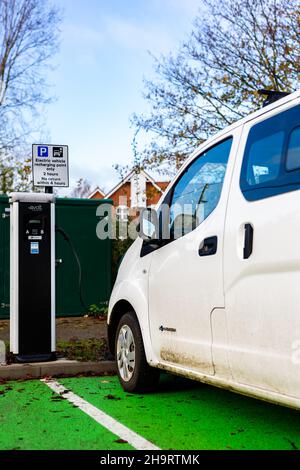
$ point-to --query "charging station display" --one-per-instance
(32, 277)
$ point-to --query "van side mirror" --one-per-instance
(149, 227)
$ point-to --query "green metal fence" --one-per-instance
(77, 220)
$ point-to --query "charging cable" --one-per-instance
(75, 254)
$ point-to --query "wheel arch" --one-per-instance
(119, 309)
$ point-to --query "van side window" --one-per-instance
(272, 152)
(270, 148)
(293, 151)
(197, 192)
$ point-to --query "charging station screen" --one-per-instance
(35, 228)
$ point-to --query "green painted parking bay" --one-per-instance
(181, 415)
(184, 414)
(32, 417)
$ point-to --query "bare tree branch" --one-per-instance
(29, 34)
(235, 48)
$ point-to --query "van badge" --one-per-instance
(165, 328)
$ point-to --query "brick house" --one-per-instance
(97, 194)
(135, 191)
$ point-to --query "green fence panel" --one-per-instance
(77, 219)
(4, 258)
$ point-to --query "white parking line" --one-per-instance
(137, 441)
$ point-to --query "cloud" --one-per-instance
(146, 33)
(104, 176)
(84, 42)
(128, 33)
(123, 32)
(187, 7)
(79, 33)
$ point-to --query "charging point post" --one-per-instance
(32, 281)
(32, 257)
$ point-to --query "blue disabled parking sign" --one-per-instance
(42, 151)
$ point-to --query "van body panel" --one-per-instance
(262, 292)
(184, 288)
(231, 319)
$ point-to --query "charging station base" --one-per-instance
(25, 359)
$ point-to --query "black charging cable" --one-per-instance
(75, 254)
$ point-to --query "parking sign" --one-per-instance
(50, 165)
(42, 151)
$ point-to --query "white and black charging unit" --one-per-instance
(32, 277)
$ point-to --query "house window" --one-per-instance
(122, 213)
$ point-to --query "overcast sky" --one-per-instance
(98, 80)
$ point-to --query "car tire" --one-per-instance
(134, 372)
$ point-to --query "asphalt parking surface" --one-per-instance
(181, 415)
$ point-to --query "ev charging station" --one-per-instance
(32, 259)
(32, 271)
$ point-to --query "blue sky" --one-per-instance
(98, 79)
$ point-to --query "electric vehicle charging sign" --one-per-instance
(50, 165)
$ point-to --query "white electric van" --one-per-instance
(218, 300)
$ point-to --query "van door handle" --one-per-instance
(208, 246)
(248, 245)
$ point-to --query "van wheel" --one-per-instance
(133, 370)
